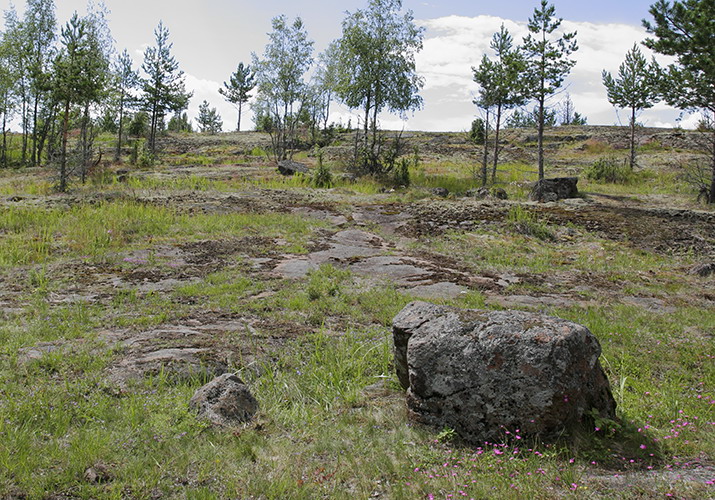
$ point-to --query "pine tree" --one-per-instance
(635, 88)
(501, 81)
(126, 80)
(164, 85)
(237, 91)
(684, 30)
(547, 54)
(72, 84)
(209, 120)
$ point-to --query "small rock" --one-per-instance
(290, 167)
(225, 401)
(97, 474)
(703, 270)
(122, 175)
(499, 194)
(440, 191)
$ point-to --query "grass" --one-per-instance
(40, 235)
(316, 351)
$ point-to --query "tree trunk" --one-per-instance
(24, 131)
(152, 128)
(238, 128)
(85, 143)
(3, 156)
(327, 111)
(375, 160)
(485, 155)
(540, 135)
(63, 153)
(45, 130)
(33, 156)
(118, 153)
(711, 198)
(633, 138)
(496, 144)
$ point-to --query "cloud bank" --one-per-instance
(454, 44)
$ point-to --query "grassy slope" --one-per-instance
(332, 421)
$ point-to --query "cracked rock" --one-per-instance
(483, 373)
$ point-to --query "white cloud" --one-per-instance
(208, 90)
(454, 44)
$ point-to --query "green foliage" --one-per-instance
(376, 68)
(401, 173)
(568, 114)
(126, 80)
(209, 120)
(237, 91)
(612, 170)
(635, 88)
(139, 126)
(477, 131)
(180, 123)
(322, 178)
(164, 84)
(547, 54)
(525, 222)
(609, 169)
(526, 119)
(281, 89)
(636, 85)
(684, 30)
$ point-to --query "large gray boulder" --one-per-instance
(483, 373)
(225, 401)
(559, 188)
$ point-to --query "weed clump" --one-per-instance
(322, 178)
(524, 222)
(611, 170)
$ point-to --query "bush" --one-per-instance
(401, 175)
(476, 133)
(524, 222)
(322, 178)
(610, 169)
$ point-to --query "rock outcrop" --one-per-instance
(225, 401)
(290, 167)
(559, 188)
(483, 373)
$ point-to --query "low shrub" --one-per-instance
(524, 222)
(611, 170)
(322, 177)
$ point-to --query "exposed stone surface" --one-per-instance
(367, 254)
(224, 401)
(175, 363)
(559, 188)
(290, 167)
(485, 372)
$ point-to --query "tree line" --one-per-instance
(55, 83)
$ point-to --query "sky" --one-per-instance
(210, 38)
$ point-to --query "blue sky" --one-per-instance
(212, 36)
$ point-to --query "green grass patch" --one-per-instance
(38, 235)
